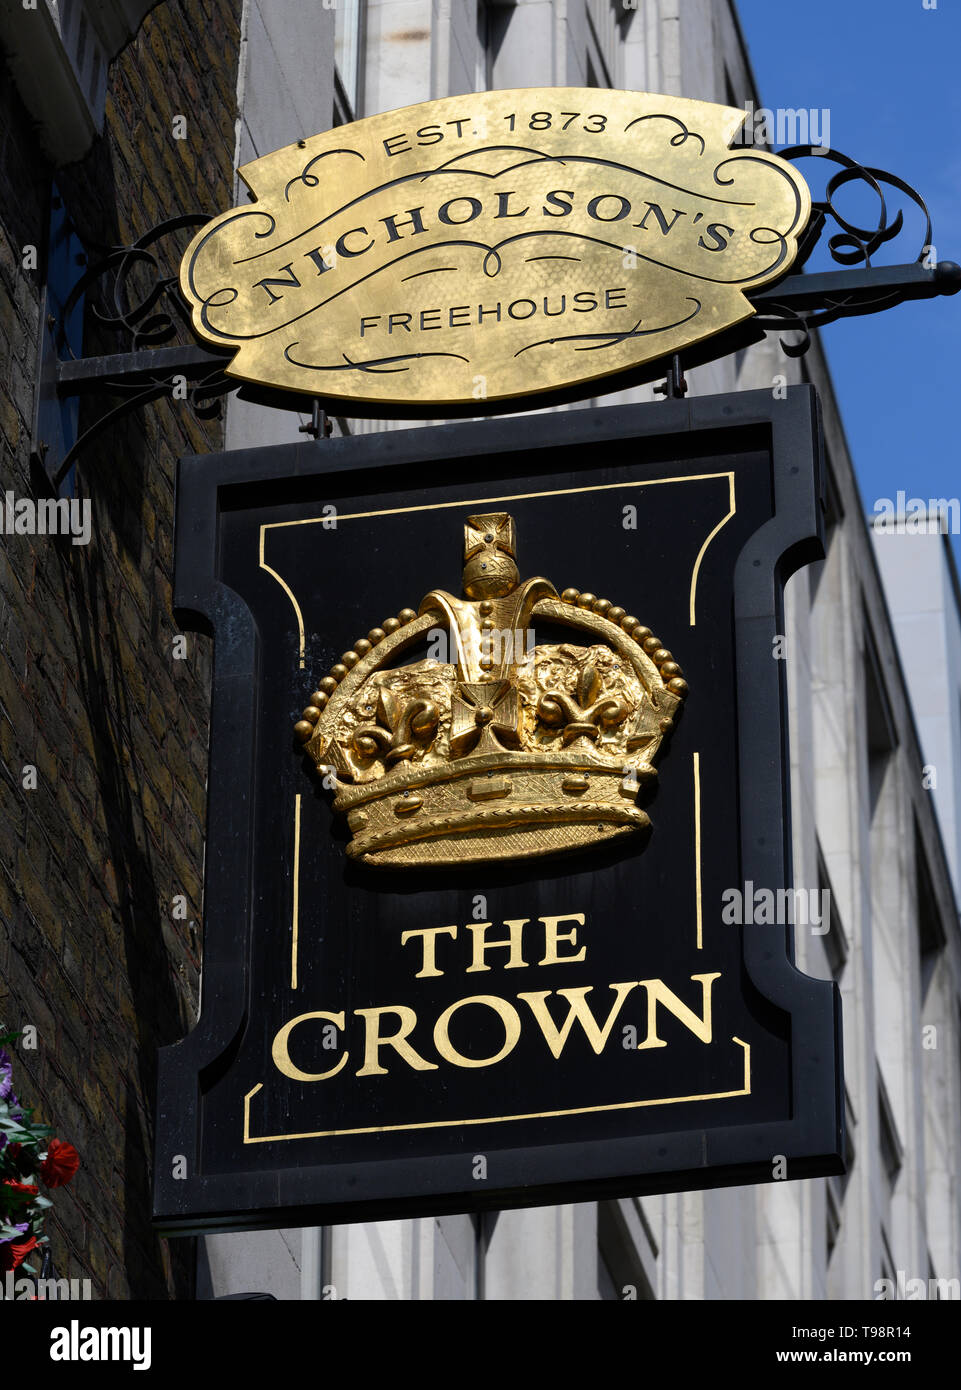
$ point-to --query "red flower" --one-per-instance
(13, 1253)
(60, 1164)
(28, 1187)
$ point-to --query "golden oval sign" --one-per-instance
(493, 246)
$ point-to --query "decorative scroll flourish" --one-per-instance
(850, 245)
(135, 297)
(149, 312)
(203, 395)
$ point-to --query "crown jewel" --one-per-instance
(503, 749)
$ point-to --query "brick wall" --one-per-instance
(90, 691)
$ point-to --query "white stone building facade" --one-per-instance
(864, 826)
(920, 575)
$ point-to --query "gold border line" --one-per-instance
(487, 502)
(496, 1119)
(295, 913)
(290, 594)
(697, 848)
(732, 508)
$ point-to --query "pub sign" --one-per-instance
(497, 725)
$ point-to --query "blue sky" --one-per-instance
(889, 72)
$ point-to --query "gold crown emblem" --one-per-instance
(506, 749)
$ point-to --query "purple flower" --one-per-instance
(6, 1074)
(22, 1226)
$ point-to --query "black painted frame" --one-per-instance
(689, 1159)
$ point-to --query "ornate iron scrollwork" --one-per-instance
(826, 298)
(118, 264)
(136, 298)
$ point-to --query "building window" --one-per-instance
(348, 59)
(57, 56)
(626, 1251)
(605, 36)
(835, 940)
(882, 739)
(730, 96)
(931, 937)
(837, 1184)
(887, 1259)
(892, 1156)
(485, 55)
(833, 514)
(493, 22)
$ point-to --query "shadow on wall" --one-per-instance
(115, 596)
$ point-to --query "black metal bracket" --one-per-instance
(131, 295)
(806, 302)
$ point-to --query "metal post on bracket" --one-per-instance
(675, 387)
(320, 425)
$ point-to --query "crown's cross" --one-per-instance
(484, 718)
(488, 626)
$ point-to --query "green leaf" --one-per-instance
(39, 1201)
(14, 1127)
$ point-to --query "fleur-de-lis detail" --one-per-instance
(585, 715)
(402, 730)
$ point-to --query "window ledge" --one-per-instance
(58, 58)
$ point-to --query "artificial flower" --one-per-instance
(28, 1187)
(13, 1253)
(6, 1074)
(60, 1165)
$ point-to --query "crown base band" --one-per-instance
(502, 832)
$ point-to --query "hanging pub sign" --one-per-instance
(498, 904)
(491, 247)
(498, 738)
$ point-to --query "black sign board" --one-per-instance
(382, 1040)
